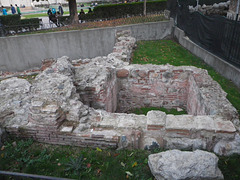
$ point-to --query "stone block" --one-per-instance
(178, 133)
(142, 73)
(150, 144)
(204, 123)
(122, 73)
(68, 129)
(156, 120)
(126, 122)
(50, 109)
(109, 134)
(181, 122)
(224, 127)
(37, 104)
(185, 143)
(228, 147)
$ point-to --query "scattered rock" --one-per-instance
(179, 109)
(15, 98)
(151, 144)
(227, 148)
(14, 144)
(220, 8)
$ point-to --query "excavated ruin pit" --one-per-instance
(136, 86)
(73, 103)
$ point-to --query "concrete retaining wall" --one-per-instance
(225, 69)
(20, 53)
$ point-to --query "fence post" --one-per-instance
(234, 29)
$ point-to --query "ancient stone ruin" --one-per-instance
(176, 165)
(221, 8)
(231, 14)
(83, 103)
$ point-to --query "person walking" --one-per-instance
(13, 9)
(53, 11)
(4, 11)
(49, 12)
(60, 9)
(89, 10)
(80, 15)
(81, 12)
(18, 10)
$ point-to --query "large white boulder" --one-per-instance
(183, 165)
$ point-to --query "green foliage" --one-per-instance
(18, 155)
(201, 2)
(124, 10)
(167, 111)
(73, 162)
(27, 156)
(88, 17)
(64, 19)
(29, 78)
(10, 20)
(75, 165)
(30, 24)
(14, 23)
(230, 167)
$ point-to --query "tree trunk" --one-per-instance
(73, 12)
(145, 7)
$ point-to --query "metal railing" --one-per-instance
(15, 175)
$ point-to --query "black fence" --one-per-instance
(22, 176)
(216, 34)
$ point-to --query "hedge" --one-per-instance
(64, 20)
(32, 23)
(14, 23)
(10, 20)
(123, 10)
(201, 2)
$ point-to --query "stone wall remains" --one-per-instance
(215, 9)
(55, 107)
(231, 14)
(152, 86)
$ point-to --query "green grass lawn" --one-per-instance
(168, 51)
(73, 162)
(30, 157)
(39, 15)
(145, 110)
(28, 16)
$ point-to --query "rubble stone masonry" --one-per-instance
(82, 103)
